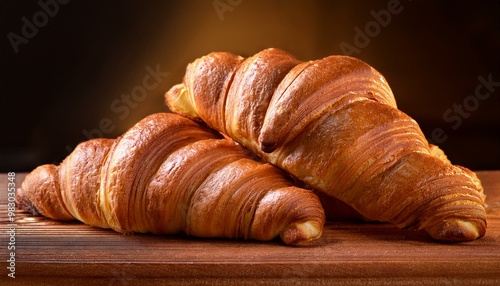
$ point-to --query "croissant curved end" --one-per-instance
(455, 230)
(24, 203)
(301, 232)
(178, 100)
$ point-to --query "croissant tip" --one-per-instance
(22, 202)
(455, 231)
(178, 101)
(301, 233)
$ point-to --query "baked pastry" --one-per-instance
(333, 123)
(168, 175)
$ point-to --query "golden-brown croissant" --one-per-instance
(333, 124)
(167, 175)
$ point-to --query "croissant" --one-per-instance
(168, 175)
(333, 124)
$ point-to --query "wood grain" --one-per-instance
(50, 252)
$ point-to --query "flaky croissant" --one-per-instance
(167, 175)
(333, 124)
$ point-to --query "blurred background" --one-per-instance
(74, 70)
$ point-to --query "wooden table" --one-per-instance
(49, 252)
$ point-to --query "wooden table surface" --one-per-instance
(50, 253)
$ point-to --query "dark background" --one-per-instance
(72, 73)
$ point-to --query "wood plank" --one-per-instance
(349, 253)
